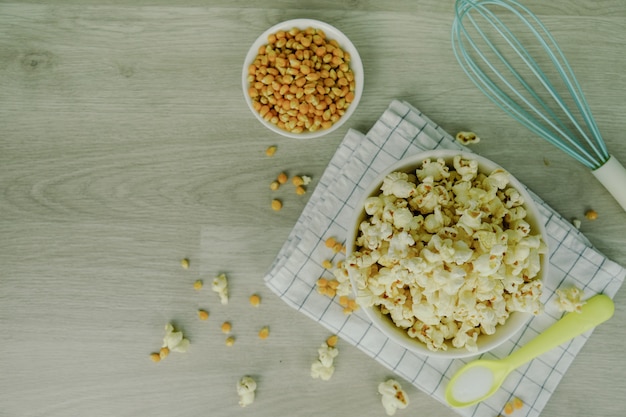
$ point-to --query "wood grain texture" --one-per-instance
(126, 145)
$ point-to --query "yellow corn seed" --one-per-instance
(591, 214)
(322, 282)
(203, 315)
(327, 264)
(230, 341)
(277, 205)
(333, 283)
(332, 340)
(264, 332)
(343, 301)
(197, 285)
(255, 300)
(508, 408)
(282, 178)
(297, 180)
(155, 357)
(184, 263)
(517, 403)
(338, 247)
(331, 292)
(300, 190)
(164, 352)
(270, 151)
(330, 242)
(226, 327)
(274, 185)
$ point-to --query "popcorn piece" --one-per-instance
(220, 286)
(246, 388)
(306, 180)
(467, 138)
(569, 299)
(393, 397)
(174, 340)
(446, 253)
(323, 367)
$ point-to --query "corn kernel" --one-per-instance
(203, 315)
(322, 282)
(517, 403)
(330, 242)
(164, 352)
(270, 151)
(327, 264)
(297, 181)
(332, 341)
(184, 263)
(230, 341)
(300, 190)
(282, 178)
(333, 283)
(343, 301)
(274, 185)
(508, 408)
(226, 327)
(264, 332)
(255, 300)
(277, 205)
(155, 357)
(338, 247)
(197, 285)
(591, 215)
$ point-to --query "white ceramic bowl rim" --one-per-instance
(516, 320)
(356, 65)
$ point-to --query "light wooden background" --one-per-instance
(125, 145)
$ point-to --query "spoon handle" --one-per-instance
(596, 310)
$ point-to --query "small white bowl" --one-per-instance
(356, 65)
(516, 320)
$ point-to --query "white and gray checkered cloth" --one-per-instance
(402, 131)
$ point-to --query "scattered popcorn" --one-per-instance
(277, 205)
(270, 151)
(184, 263)
(577, 223)
(323, 367)
(255, 300)
(226, 327)
(246, 388)
(220, 286)
(591, 215)
(174, 340)
(230, 341)
(446, 253)
(306, 180)
(197, 285)
(467, 138)
(264, 332)
(203, 314)
(569, 299)
(282, 178)
(393, 397)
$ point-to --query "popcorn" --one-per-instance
(220, 286)
(447, 253)
(569, 299)
(323, 367)
(393, 397)
(174, 341)
(246, 388)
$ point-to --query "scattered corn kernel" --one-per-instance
(197, 285)
(226, 327)
(282, 178)
(327, 264)
(333, 283)
(255, 300)
(300, 190)
(508, 408)
(264, 332)
(277, 205)
(203, 315)
(184, 263)
(591, 215)
(338, 247)
(164, 352)
(155, 357)
(330, 242)
(230, 341)
(270, 151)
(297, 180)
(517, 403)
(275, 185)
(332, 340)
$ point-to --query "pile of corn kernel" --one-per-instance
(299, 182)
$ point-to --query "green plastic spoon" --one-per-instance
(478, 380)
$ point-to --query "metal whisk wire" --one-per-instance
(582, 141)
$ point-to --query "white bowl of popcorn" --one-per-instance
(446, 254)
(302, 78)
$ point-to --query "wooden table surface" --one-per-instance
(126, 145)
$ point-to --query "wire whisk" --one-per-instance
(514, 60)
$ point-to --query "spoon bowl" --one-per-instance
(479, 379)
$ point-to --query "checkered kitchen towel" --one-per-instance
(402, 131)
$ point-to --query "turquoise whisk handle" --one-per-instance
(612, 175)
